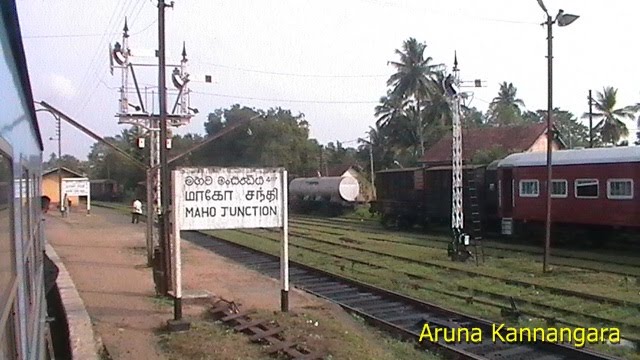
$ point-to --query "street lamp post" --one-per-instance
(563, 20)
(59, 139)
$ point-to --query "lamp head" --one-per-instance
(565, 19)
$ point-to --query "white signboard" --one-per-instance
(75, 186)
(229, 198)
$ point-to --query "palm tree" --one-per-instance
(611, 125)
(414, 78)
(389, 109)
(505, 108)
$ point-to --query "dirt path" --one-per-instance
(104, 254)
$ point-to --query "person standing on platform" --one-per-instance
(136, 211)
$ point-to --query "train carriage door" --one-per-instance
(506, 195)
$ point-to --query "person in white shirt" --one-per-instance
(136, 211)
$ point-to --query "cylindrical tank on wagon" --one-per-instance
(334, 187)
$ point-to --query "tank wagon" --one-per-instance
(333, 193)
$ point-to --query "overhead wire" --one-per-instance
(101, 74)
(286, 100)
(119, 9)
(292, 74)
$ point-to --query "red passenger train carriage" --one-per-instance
(591, 189)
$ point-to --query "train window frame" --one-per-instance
(586, 182)
(566, 189)
(8, 302)
(619, 197)
(521, 184)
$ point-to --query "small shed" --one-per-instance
(51, 184)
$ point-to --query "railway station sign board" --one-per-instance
(230, 198)
(77, 187)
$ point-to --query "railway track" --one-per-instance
(399, 314)
(560, 257)
(590, 265)
(491, 295)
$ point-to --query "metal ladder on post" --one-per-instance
(476, 221)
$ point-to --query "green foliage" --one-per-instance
(573, 133)
(611, 126)
(505, 108)
(67, 161)
(277, 139)
(105, 163)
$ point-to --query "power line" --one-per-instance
(68, 36)
(457, 13)
(285, 100)
(292, 74)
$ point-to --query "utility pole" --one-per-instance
(562, 19)
(164, 173)
(547, 238)
(157, 126)
(590, 120)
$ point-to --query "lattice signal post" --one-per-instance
(144, 119)
(458, 247)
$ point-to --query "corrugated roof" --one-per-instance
(510, 138)
(620, 154)
(398, 170)
(449, 167)
(50, 171)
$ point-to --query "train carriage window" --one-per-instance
(529, 188)
(587, 188)
(559, 188)
(620, 189)
(8, 272)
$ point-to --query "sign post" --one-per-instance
(284, 251)
(77, 187)
(176, 260)
(229, 198)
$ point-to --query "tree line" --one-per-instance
(410, 117)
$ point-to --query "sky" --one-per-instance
(325, 59)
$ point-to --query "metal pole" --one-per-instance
(58, 120)
(284, 251)
(149, 188)
(590, 120)
(373, 175)
(176, 261)
(162, 101)
(547, 240)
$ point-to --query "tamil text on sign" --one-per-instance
(75, 186)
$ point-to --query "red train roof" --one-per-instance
(622, 154)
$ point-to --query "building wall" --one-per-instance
(540, 145)
(51, 188)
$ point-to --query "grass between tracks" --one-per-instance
(522, 269)
(444, 286)
(317, 329)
